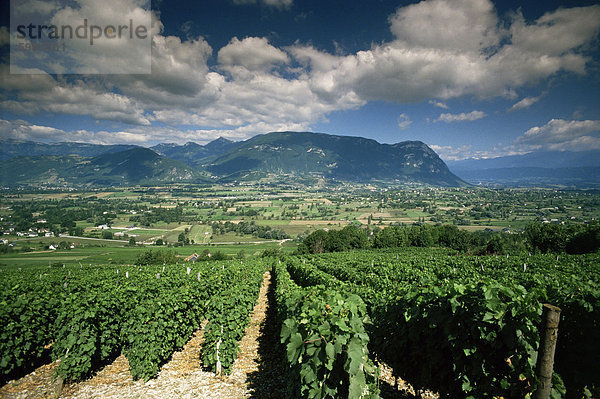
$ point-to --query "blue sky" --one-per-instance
(470, 78)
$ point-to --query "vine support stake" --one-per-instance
(545, 359)
(58, 386)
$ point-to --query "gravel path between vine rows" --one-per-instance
(256, 373)
(181, 377)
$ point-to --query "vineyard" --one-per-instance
(461, 326)
(91, 314)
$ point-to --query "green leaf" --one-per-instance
(330, 350)
(293, 347)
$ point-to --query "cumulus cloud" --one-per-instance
(465, 25)
(458, 153)
(255, 86)
(251, 53)
(451, 153)
(117, 52)
(556, 135)
(404, 121)
(558, 32)
(145, 136)
(560, 134)
(463, 51)
(37, 93)
(462, 117)
(179, 68)
(23, 130)
(278, 3)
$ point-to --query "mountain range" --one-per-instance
(10, 148)
(194, 154)
(297, 154)
(541, 168)
(132, 166)
(336, 157)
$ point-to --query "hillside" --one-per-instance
(10, 148)
(38, 170)
(194, 154)
(137, 165)
(338, 157)
(134, 166)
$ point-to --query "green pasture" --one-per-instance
(127, 255)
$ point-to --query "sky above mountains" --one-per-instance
(470, 78)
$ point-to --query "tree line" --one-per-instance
(259, 231)
(537, 238)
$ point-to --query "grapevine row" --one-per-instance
(324, 333)
(467, 326)
(90, 316)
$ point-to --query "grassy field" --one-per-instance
(232, 237)
(127, 255)
(198, 233)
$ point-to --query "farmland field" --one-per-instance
(457, 287)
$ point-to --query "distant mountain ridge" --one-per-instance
(304, 154)
(540, 159)
(130, 167)
(195, 154)
(543, 168)
(10, 148)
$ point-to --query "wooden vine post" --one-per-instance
(58, 386)
(545, 359)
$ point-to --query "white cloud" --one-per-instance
(524, 103)
(466, 25)
(145, 136)
(404, 121)
(97, 53)
(23, 130)
(251, 53)
(560, 134)
(462, 52)
(281, 4)
(556, 135)
(41, 92)
(179, 68)
(558, 32)
(452, 153)
(438, 104)
(278, 3)
(465, 51)
(462, 117)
